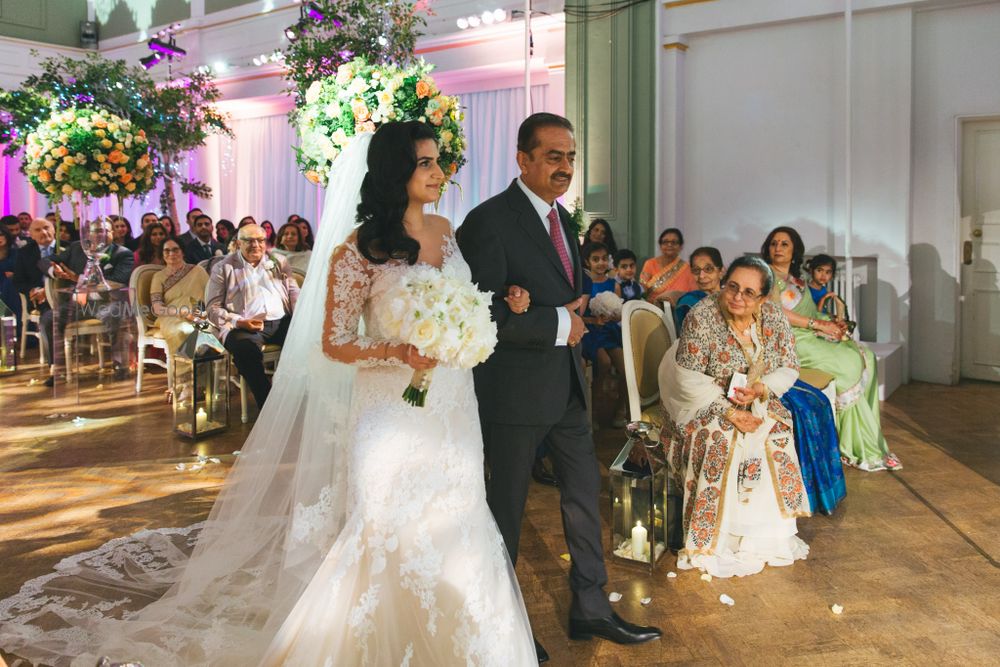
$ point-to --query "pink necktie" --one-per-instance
(555, 233)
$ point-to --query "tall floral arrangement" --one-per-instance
(360, 97)
(385, 31)
(91, 151)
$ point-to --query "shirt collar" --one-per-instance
(540, 205)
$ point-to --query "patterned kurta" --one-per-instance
(700, 451)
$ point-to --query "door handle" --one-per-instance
(967, 253)
(977, 233)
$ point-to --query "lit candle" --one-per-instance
(201, 418)
(638, 541)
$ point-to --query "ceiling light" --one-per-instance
(314, 12)
(166, 48)
(487, 18)
(463, 23)
(474, 21)
(499, 16)
(220, 67)
(150, 61)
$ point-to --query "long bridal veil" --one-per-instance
(149, 597)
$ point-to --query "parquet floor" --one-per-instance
(912, 556)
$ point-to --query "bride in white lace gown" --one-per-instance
(354, 529)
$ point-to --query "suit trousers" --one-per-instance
(510, 452)
(246, 349)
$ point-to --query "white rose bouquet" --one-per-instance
(444, 316)
(607, 305)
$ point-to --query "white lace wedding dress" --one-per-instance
(353, 529)
(420, 574)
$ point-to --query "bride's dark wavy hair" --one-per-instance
(392, 159)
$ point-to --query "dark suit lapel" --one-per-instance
(529, 221)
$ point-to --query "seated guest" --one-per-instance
(189, 218)
(11, 224)
(169, 224)
(29, 279)
(269, 230)
(145, 221)
(821, 344)
(603, 342)
(151, 245)
(600, 232)
(67, 265)
(66, 233)
(250, 297)
(707, 269)
(225, 232)
(729, 443)
(292, 246)
(305, 228)
(121, 231)
(175, 292)
(667, 277)
(8, 262)
(202, 246)
(822, 269)
(24, 220)
(626, 265)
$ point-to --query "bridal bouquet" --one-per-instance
(361, 97)
(444, 316)
(608, 305)
(91, 151)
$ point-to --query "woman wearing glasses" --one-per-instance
(823, 345)
(175, 292)
(728, 439)
(667, 277)
(707, 269)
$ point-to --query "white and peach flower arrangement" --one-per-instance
(362, 96)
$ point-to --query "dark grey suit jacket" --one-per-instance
(528, 379)
(117, 267)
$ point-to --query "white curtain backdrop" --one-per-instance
(254, 173)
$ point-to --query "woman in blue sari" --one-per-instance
(816, 440)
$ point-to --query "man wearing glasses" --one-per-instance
(250, 298)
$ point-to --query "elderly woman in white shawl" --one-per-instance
(727, 438)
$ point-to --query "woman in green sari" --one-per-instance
(823, 344)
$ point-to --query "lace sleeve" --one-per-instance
(347, 290)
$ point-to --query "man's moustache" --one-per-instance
(566, 176)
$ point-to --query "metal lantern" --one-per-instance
(201, 385)
(639, 498)
(8, 340)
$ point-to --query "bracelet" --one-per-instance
(812, 324)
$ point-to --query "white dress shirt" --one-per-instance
(263, 293)
(542, 208)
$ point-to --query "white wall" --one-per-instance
(758, 104)
(956, 74)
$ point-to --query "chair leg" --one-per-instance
(244, 417)
(68, 351)
(24, 335)
(100, 351)
(170, 369)
(139, 368)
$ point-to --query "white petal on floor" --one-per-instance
(725, 599)
(671, 575)
(706, 577)
(837, 609)
(645, 601)
(614, 596)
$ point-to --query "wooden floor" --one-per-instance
(912, 556)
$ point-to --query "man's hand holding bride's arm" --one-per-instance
(518, 299)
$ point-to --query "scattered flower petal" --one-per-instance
(79, 421)
(614, 596)
(671, 575)
(100, 386)
(706, 577)
(565, 557)
(725, 599)
(181, 466)
(236, 453)
(645, 601)
(837, 609)
(214, 460)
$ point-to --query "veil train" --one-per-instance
(150, 597)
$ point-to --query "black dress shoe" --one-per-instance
(50, 381)
(541, 473)
(543, 656)
(613, 628)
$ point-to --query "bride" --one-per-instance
(354, 529)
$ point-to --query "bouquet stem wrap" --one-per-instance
(416, 393)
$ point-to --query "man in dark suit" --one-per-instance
(188, 236)
(202, 246)
(29, 279)
(532, 388)
(67, 265)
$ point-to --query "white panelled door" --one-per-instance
(980, 244)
